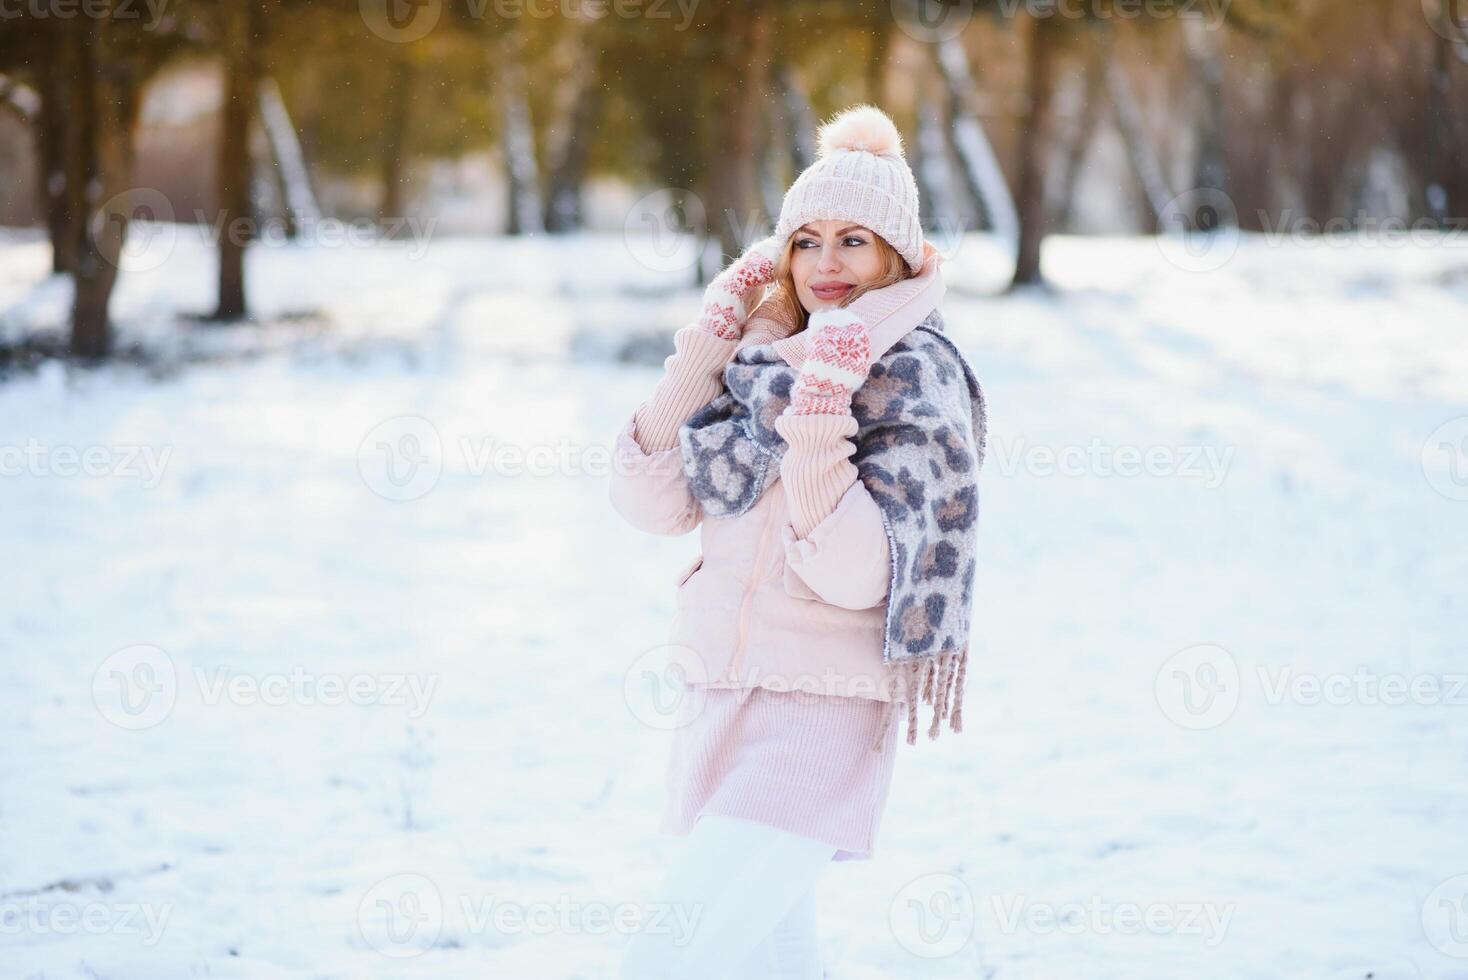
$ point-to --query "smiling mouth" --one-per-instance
(831, 292)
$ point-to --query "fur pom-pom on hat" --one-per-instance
(863, 127)
(859, 175)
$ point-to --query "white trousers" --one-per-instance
(738, 904)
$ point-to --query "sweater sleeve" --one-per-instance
(836, 542)
(692, 375)
(648, 487)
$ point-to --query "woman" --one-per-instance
(827, 445)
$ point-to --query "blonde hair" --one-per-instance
(785, 302)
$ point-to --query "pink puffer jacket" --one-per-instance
(791, 594)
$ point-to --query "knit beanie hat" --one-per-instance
(860, 176)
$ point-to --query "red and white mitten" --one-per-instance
(835, 365)
(733, 292)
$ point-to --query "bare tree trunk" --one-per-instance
(290, 159)
(1439, 139)
(740, 92)
(243, 29)
(394, 139)
(1144, 161)
(578, 106)
(983, 178)
(78, 142)
(802, 119)
(774, 149)
(1044, 36)
(1088, 118)
(517, 140)
(932, 172)
(1209, 168)
(110, 93)
(52, 150)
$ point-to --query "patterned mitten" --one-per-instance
(734, 291)
(835, 365)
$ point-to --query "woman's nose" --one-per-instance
(830, 261)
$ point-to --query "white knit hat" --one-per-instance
(860, 176)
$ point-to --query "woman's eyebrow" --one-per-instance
(808, 228)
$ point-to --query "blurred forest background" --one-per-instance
(505, 117)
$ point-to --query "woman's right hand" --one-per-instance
(731, 296)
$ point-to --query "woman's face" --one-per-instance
(828, 259)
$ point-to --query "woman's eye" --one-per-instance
(848, 240)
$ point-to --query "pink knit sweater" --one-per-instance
(802, 763)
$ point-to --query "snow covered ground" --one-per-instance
(322, 653)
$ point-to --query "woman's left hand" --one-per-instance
(835, 365)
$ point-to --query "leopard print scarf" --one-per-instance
(921, 437)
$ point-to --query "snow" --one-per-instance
(227, 537)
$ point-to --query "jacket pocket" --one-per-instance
(795, 586)
(687, 573)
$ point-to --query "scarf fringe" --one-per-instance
(945, 671)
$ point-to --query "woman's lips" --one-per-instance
(831, 292)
